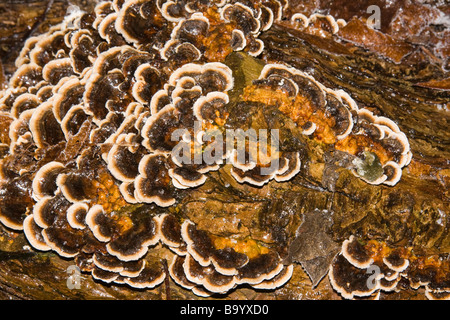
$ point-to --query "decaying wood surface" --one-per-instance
(407, 83)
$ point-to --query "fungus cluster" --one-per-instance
(99, 109)
(216, 264)
(317, 23)
(364, 268)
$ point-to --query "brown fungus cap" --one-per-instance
(112, 264)
(150, 277)
(16, 202)
(186, 177)
(74, 121)
(219, 269)
(356, 253)
(44, 182)
(99, 223)
(75, 186)
(133, 243)
(170, 232)
(153, 182)
(34, 234)
(76, 215)
(56, 70)
(26, 101)
(70, 94)
(63, 240)
(136, 16)
(158, 129)
(177, 273)
(201, 247)
(277, 281)
(207, 277)
(260, 268)
(28, 75)
(123, 163)
(44, 126)
(103, 275)
(395, 261)
(148, 81)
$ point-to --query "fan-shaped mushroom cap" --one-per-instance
(147, 83)
(28, 75)
(44, 126)
(24, 102)
(103, 275)
(252, 176)
(15, 202)
(99, 223)
(207, 277)
(213, 76)
(293, 166)
(150, 277)
(170, 232)
(56, 70)
(238, 41)
(76, 215)
(185, 177)
(350, 281)
(393, 173)
(277, 281)
(152, 183)
(69, 94)
(356, 254)
(135, 16)
(176, 270)
(261, 268)
(209, 107)
(63, 241)
(242, 16)
(123, 161)
(158, 129)
(33, 234)
(76, 187)
(396, 262)
(134, 242)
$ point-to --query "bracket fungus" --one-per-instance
(113, 118)
(364, 268)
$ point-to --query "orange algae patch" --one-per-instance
(217, 43)
(108, 193)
